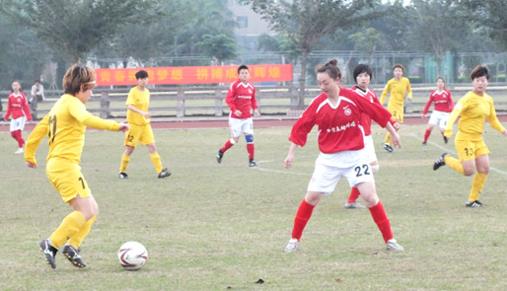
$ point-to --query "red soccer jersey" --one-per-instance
(443, 101)
(17, 106)
(338, 124)
(365, 118)
(241, 97)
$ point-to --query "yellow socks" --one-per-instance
(70, 225)
(157, 163)
(454, 164)
(124, 162)
(387, 138)
(77, 239)
(477, 186)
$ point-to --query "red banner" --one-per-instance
(194, 75)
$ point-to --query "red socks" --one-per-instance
(427, 134)
(354, 194)
(380, 217)
(251, 150)
(18, 136)
(228, 144)
(303, 214)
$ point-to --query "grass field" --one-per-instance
(211, 227)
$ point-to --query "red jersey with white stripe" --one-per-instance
(443, 101)
(338, 122)
(241, 96)
(17, 106)
(369, 95)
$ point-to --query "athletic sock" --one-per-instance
(157, 163)
(303, 214)
(380, 218)
(70, 225)
(477, 186)
(77, 239)
(354, 194)
(454, 164)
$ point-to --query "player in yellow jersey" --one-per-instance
(473, 109)
(138, 117)
(65, 126)
(398, 88)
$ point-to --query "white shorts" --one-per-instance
(17, 124)
(240, 126)
(369, 146)
(439, 118)
(329, 168)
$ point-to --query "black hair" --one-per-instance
(242, 67)
(479, 71)
(362, 68)
(331, 68)
(142, 74)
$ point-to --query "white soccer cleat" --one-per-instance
(393, 246)
(19, 151)
(292, 245)
(353, 205)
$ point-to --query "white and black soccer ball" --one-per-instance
(132, 255)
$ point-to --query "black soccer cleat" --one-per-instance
(73, 256)
(388, 148)
(446, 140)
(473, 204)
(49, 252)
(164, 173)
(439, 162)
(219, 156)
(252, 163)
(123, 175)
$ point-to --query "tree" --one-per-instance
(491, 14)
(306, 21)
(74, 28)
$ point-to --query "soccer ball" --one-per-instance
(132, 255)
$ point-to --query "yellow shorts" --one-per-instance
(67, 179)
(396, 112)
(139, 134)
(469, 150)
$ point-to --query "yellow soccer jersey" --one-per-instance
(473, 111)
(397, 90)
(140, 100)
(65, 127)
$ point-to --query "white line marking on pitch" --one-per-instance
(453, 152)
(286, 172)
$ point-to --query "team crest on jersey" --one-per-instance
(347, 111)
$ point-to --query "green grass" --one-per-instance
(211, 226)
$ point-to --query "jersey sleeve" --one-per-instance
(9, 110)
(493, 119)
(456, 112)
(34, 139)
(428, 104)
(451, 102)
(383, 96)
(131, 98)
(254, 99)
(409, 89)
(376, 112)
(79, 112)
(230, 98)
(304, 125)
(26, 108)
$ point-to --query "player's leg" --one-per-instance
(131, 139)
(235, 132)
(15, 129)
(247, 129)
(398, 115)
(431, 123)
(480, 178)
(369, 147)
(148, 139)
(442, 124)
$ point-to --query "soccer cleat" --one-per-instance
(19, 151)
(388, 148)
(252, 163)
(473, 204)
(292, 245)
(439, 162)
(446, 140)
(164, 173)
(393, 246)
(73, 256)
(424, 142)
(219, 157)
(49, 252)
(353, 205)
(123, 175)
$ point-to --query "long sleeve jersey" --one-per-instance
(241, 96)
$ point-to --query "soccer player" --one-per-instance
(242, 103)
(65, 127)
(443, 106)
(138, 118)
(337, 112)
(398, 88)
(473, 109)
(18, 111)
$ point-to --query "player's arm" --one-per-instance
(254, 103)
(26, 109)
(456, 112)
(427, 106)
(383, 96)
(493, 119)
(132, 107)
(451, 102)
(409, 90)
(33, 141)
(230, 99)
(9, 110)
(79, 112)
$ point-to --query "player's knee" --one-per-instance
(375, 168)
(152, 148)
(13, 134)
(129, 150)
(234, 139)
(249, 138)
(468, 172)
(312, 198)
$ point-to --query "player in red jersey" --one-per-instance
(242, 103)
(18, 111)
(337, 113)
(443, 108)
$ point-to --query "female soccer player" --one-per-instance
(399, 88)
(473, 109)
(19, 111)
(242, 103)
(443, 106)
(65, 126)
(337, 112)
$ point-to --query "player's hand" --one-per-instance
(237, 112)
(257, 112)
(124, 127)
(396, 140)
(146, 115)
(31, 164)
(396, 125)
(289, 160)
(424, 115)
